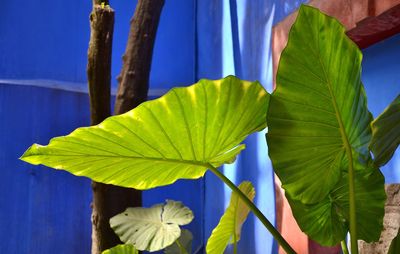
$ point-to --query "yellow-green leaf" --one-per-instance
(176, 136)
(229, 227)
(122, 249)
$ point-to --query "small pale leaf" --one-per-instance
(151, 228)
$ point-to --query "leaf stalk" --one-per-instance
(182, 249)
(278, 237)
(352, 200)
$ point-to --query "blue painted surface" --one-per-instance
(49, 39)
(234, 38)
(46, 211)
(381, 77)
(41, 210)
(43, 49)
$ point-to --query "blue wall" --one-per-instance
(49, 39)
(42, 94)
(43, 49)
(41, 210)
(381, 77)
(234, 37)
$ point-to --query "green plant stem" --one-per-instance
(347, 146)
(344, 247)
(181, 248)
(278, 237)
(352, 200)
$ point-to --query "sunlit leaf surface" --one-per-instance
(176, 136)
(229, 227)
(122, 249)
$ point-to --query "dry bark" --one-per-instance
(109, 200)
(99, 81)
(134, 77)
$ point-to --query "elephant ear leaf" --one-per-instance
(176, 136)
(122, 249)
(229, 227)
(395, 245)
(153, 228)
(332, 213)
(386, 133)
(318, 121)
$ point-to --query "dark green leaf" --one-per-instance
(386, 133)
(318, 115)
(176, 136)
(395, 245)
(327, 221)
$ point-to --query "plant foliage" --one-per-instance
(394, 247)
(184, 246)
(229, 227)
(319, 130)
(386, 133)
(176, 136)
(122, 249)
(151, 228)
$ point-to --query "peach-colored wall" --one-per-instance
(366, 21)
(362, 19)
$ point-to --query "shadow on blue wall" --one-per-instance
(234, 38)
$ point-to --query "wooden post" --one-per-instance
(134, 77)
(99, 81)
(109, 200)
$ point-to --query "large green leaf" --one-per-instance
(327, 221)
(151, 228)
(184, 246)
(229, 227)
(122, 249)
(176, 136)
(318, 119)
(386, 133)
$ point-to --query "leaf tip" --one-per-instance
(27, 155)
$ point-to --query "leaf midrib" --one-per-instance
(333, 97)
(345, 139)
(353, 228)
(189, 162)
